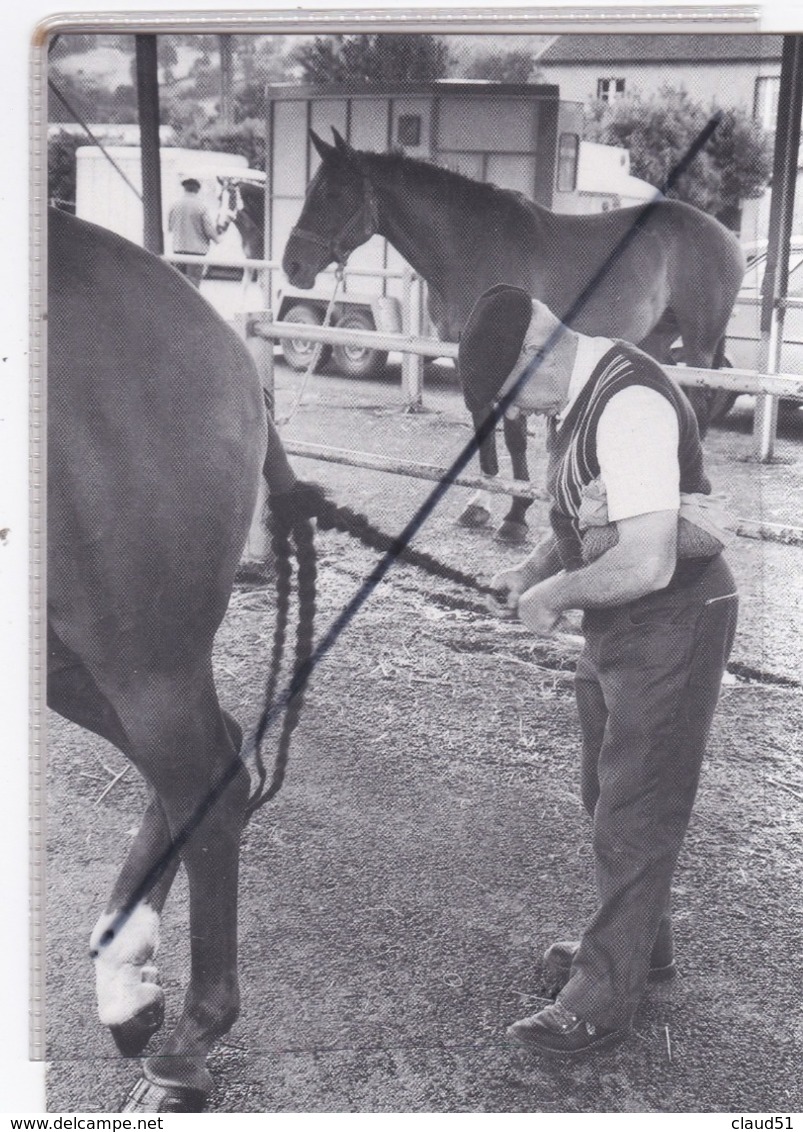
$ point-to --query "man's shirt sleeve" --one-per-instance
(637, 449)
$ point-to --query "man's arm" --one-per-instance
(210, 227)
(643, 560)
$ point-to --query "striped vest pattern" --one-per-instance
(573, 462)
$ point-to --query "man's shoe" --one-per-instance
(559, 957)
(557, 1032)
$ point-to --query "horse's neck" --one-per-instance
(250, 234)
(459, 238)
(416, 218)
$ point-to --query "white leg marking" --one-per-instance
(125, 977)
(482, 499)
(477, 512)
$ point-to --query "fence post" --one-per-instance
(775, 285)
(257, 545)
(412, 364)
(765, 410)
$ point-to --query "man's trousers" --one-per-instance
(647, 685)
(193, 272)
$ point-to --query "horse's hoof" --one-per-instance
(153, 1096)
(474, 516)
(132, 1036)
(512, 532)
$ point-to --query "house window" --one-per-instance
(765, 103)
(409, 129)
(568, 151)
(608, 90)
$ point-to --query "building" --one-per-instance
(731, 70)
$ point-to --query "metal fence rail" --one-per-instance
(787, 386)
(262, 327)
(783, 533)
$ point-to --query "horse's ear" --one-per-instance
(341, 146)
(324, 149)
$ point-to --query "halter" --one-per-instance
(359, 227)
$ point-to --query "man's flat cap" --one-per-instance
(491, 342)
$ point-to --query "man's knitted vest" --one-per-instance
(573, 462)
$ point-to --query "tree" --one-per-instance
(90, 101)
(61, 168)
(735, 164)
(383, 57)
(168, 57)
(246, 137)
(502, 67)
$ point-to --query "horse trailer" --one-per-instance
(520, 137)
(108, 192)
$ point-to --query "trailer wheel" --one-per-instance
(297, 351)
(358, 361)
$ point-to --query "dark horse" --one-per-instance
(678, 276)
(242, 204)
(157, 433)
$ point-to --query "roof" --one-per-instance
(465, 88)
(694, 47)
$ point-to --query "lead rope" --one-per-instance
(372, 538)
(316, 353)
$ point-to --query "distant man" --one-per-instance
(192, 228)
(635, 543)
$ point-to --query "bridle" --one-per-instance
(359, 227)
(230, 204)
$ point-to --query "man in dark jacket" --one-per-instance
(625, 468)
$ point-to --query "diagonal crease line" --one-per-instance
(301, 676)
(95, 141)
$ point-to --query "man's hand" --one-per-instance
(536, 612)
(510, 585)
(224, 220)
(544, 562)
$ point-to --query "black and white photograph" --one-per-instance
(422, 604)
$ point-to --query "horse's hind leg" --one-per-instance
(700, 355)
(514, 525)
(658, 344)
(182, 743)
(130, 1000)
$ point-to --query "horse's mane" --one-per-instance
(464, 190)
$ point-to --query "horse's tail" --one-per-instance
(291, 513)
(297, 537)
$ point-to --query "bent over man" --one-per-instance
(635, 544)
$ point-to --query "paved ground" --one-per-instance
(429, 841)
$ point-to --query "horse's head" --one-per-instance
(340, 212)
(229, 202)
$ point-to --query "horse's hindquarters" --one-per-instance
(156, 440)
